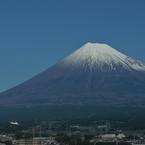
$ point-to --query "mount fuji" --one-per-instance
(95, 74)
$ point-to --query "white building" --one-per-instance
(108, 136)
(120, 136)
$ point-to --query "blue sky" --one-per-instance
(36, 34)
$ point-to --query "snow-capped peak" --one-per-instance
(95, 55)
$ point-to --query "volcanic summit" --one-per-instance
(95, 74)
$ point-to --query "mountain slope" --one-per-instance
(95, 74)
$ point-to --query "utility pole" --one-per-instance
(33, 131)
(50, 125)
(67, 128)
(83, 138)
(40, 132)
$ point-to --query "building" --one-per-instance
(108, 136)
(30, 142)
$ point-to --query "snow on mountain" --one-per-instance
(95, 55)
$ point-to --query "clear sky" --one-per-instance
(36, 34)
